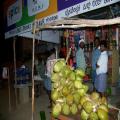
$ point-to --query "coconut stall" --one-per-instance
(71, 99)
(70, 96)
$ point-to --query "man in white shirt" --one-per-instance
(102, 69)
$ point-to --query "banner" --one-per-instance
(84, 6)
(14, 13)
(63, 4)
(20, 14)
(37, 6)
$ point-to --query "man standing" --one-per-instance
(102, 68)
(80, 57)
(95, 55)
(47, 82)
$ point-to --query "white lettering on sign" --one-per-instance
(51, 18)
(46, 20)
(19, 30)
(96, 3)
(28, 27)
(72, 10)
(40, 23)
(37, 6)
(107, 1)
(84, 6)
(87, 6)
(14, 13)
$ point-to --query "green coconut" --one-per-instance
(66, 71)
(65, 91)
(72, 76)
(84, 99)
(102, 114)
(93, 116)
(55, 77)
(85, 87)
(65, 109)
(81, 92)
(80, 72)
(56, 110)
(79, 78)
(63, 81)
(79, 106)
(77, 84)
(59, 65)
(55, 95)
(84, 115)
(69, 99)
(95, 96)
(88, 106)
(76, 98)
(104, 101)
(73, 109)
(104, 107)
(56, 84)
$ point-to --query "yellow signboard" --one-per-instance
(51, 10)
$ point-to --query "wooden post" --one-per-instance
(14, 50)
(9, 90)
(33, 59)
(117, 38)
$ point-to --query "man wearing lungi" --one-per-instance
(102, 69)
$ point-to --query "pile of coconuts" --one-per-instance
(70, 97)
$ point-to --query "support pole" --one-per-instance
(14, 50)
(33, 59)
(117, 38)
(9, 90)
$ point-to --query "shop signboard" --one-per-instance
(82, 7)
(20, 14)
(63, 4)
(37, 6)
(29, 11)
(14, 13)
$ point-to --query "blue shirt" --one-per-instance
(80, 59)
(47, 83)
(95, 55)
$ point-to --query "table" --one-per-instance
(24, 89)
(23, 92)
